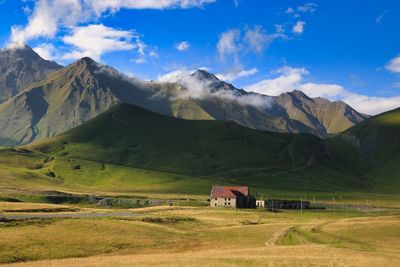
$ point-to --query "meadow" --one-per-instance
(202, 236)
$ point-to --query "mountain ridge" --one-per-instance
(70, 96)
(19, 67)
(320, 113)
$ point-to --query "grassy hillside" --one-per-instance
(132, 150)
(371, 149)
(116, 147)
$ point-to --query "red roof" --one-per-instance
(229, 191)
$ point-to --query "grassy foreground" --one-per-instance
(181, 236)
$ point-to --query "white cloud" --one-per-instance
(45, 20)
(46, 51)
(182, 46)
(95, 40)
(308, 7)
(228, 42)
(236, 74)
(144, 52)
(371, 104)
(101, 6)
(396, 85)
(326, 90)
(290, 10)
(393, 65)
(298, 28)
(255, 40)
(194, 88)
(50, 15)
(140, 60)
(366, 104)
(289, 79)
(381, 16)
(279, 28)
(27, 10)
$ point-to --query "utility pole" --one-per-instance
(306, 184)
(272, 207)
(334, 207)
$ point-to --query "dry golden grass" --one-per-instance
(28, 206)
(188, 236)
(305, 255)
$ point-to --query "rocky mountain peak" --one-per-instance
(19, 67)
(297, 94)
(204, 75)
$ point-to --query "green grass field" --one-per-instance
(31, 174)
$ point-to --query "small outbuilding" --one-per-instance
(231, 197)
(260, 203)
(286, 204)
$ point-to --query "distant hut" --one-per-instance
(286, 204)
(260, 203)
(231, 197)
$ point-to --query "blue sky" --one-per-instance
(341, 50)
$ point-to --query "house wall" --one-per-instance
(223, 202)
(260, 203)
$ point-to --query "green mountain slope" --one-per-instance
(372, 149)
(218, 151)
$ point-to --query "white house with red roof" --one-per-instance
(231, 197)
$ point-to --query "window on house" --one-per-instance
(215, 204)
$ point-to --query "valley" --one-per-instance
(98, 168)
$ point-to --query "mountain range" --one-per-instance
(365, 158)
(87, 125)
(44, 100)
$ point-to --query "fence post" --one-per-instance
(301, 204)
